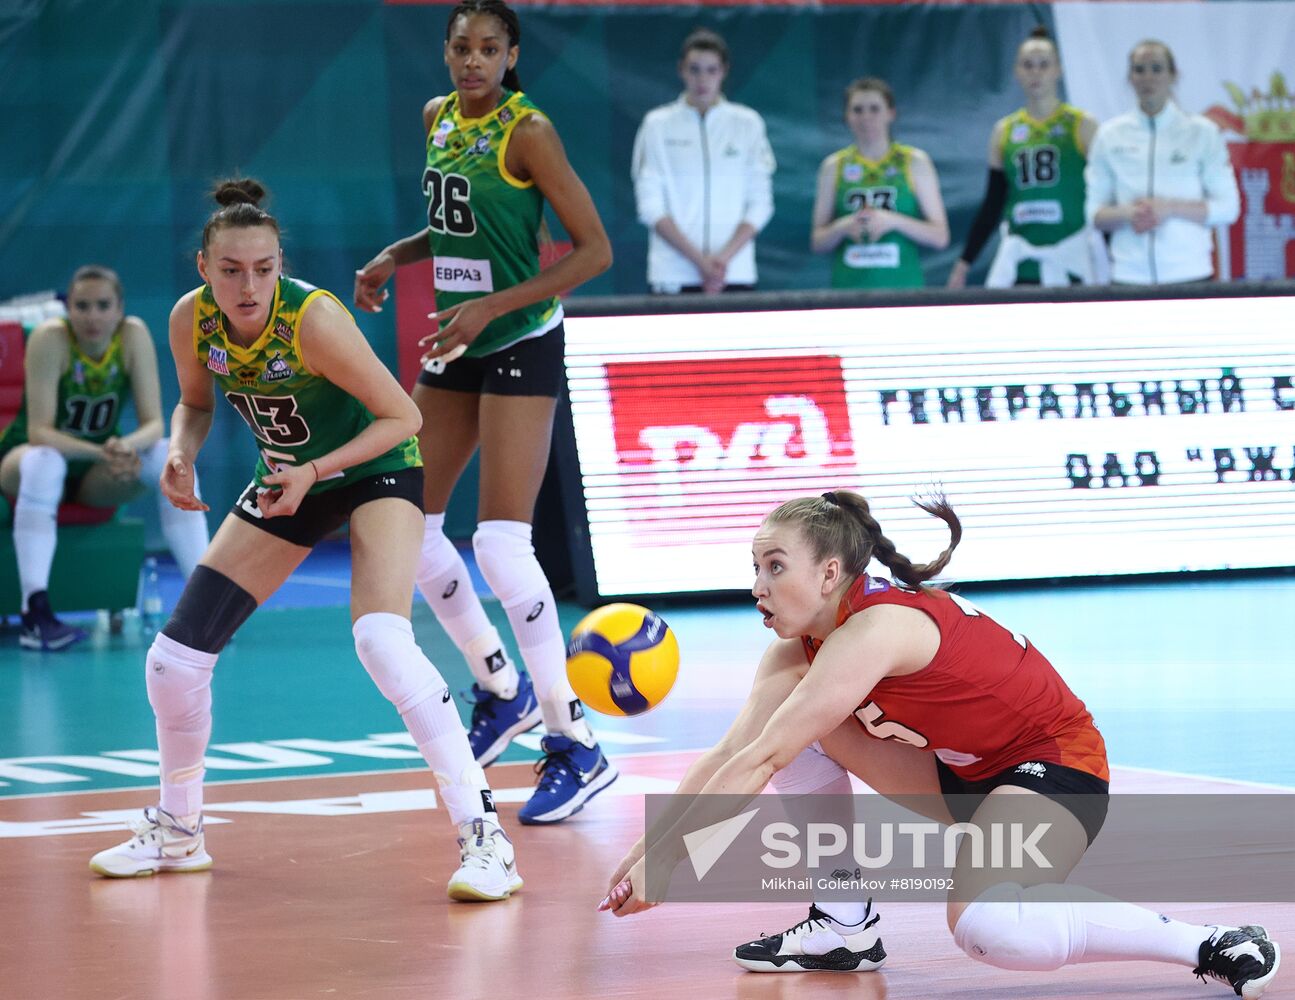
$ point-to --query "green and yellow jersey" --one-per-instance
(91, 395)
(892, 261)
(1044, 165)
(295, 414)
(484, 223)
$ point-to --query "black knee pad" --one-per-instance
(210, 610)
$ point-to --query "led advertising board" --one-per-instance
(1072, 438)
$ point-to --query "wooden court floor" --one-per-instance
(302, 906)
(329, 877)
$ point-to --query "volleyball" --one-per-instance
(622, 659)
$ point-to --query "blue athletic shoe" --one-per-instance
(570, 775)
(495, 720)
(41, 630)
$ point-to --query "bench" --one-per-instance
(99, 552)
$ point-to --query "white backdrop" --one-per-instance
(1213, 43)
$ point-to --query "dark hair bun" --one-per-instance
(239, 191)
(1040, 31)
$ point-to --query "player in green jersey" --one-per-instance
(66, 444)
(491, 380)
(337, 447)
(1036, 183)
(877, 200)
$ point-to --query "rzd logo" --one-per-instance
(699, 420)
(793, 431)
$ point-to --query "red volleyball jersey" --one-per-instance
(986, 702)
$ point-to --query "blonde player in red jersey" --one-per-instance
(918, 693)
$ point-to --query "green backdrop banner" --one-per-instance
(119, 114)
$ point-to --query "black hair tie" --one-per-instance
(830, 497)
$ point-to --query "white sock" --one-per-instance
(178, 679)
(1043, 928)
(185, 531)
(544, 651)
(812, 772)
(846, 914)
(438, 733)
(507, 560)
(42, 472)
(446, 585)
(385, 645)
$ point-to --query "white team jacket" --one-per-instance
(1173, 155)
(709, 173)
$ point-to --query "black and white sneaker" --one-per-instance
(1240, 957)
(815, 945)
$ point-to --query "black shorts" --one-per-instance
(532, 367)
(320, 514)
(1084, 795)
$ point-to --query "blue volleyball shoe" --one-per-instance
(570, 775)
(496, 721)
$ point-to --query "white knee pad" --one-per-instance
(810, 772)
(507, 560)
(385, 645)
(178, 679)
(1008, 927)
(438, 552)
(42, 471)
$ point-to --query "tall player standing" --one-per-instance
(491, 380)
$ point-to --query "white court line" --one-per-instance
(320, 581)
(419, 766)
(415, 766)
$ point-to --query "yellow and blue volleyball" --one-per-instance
(622, 659)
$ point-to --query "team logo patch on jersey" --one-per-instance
(481, 147)
(218, 360)
(209, 324)
(283, 330)
(505, 116)
(276, 369)
(1057, 131)
(852, 172)
(247, 377)
(1020, 132)
(872, 585)
(442, 133)
(78, 373)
